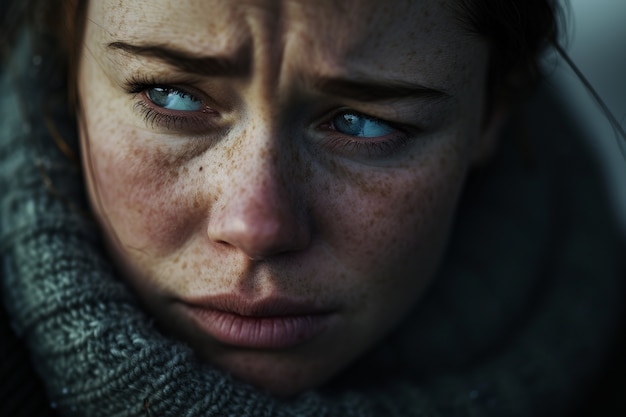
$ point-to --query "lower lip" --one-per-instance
(259, 332)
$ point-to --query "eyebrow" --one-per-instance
(366, 90)
(377, 90)
(237, 64)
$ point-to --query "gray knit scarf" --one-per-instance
(519, 318)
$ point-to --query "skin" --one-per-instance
(268, 197)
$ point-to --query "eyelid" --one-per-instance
(140, 83)
(368, 148)
(174, 120)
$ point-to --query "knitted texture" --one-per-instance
(516, 323)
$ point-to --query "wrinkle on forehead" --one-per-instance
(200, 26)
(411, 40)
(399, 38)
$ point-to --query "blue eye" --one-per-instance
(356, 124)
(173, 99)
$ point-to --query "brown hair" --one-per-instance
(62, 21)
(517, 31)
(70, 32)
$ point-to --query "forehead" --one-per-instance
(219, 17)
(390, 34)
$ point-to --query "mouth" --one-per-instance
(269, 323)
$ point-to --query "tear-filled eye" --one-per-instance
(356, 124)
(173, 99)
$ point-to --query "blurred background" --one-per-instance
(596, 41)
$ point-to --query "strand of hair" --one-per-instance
(617, 127)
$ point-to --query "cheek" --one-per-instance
(377, 220)
(141, 195)
(389, 231)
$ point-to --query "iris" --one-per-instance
(355, 124)
(173, 99)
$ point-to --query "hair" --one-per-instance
(517, 31)
(56, 30)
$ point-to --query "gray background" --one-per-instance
(596, 41)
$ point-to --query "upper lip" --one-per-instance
(272, 306)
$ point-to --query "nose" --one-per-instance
(257, 211)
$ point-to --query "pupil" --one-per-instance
(350, 124)
(159, 96)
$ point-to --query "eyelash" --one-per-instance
(204, 120)
(377, 149)
(160, 118)
(369, 147)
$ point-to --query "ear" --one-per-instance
(495, 120)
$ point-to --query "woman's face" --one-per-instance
(277, 179)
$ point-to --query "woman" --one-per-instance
(274, 184)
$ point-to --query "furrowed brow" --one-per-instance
(238, 64)
(377, 90)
